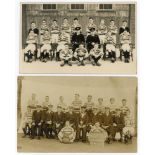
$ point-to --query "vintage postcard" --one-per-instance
(78, 38)
(77, 114)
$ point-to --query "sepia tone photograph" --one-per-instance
(77, 114)
(78, 38)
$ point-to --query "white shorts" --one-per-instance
(46, 47)
(54, 38)
(126, 47)
(129, 129)
(30, 47)
(102, 39)
(110, 47)
(61, 46)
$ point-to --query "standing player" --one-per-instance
(43, 28)
(124, 27)
(67, 28)
(125, 40)
(54, 37)
(90, 25)
(102, 31)
(75, 25)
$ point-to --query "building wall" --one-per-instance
(34, 12)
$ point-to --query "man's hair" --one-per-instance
(112, 20)
(32, 22)
(90, 18)
(54, 20)
(123, 99)
(75, 18)
(124, 21)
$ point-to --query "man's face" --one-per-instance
(81, 46)
(96, 46)
(61, 99)
(91, 21)
(92, 33)
(50, 108)
(67, 123)
(75, 21)
(124, 102)
(124, 24)
(46, 32)
(29, 109)
(76, 97)
(95, 110)
(46, 98)
(38, 108)
(82, 110)
(33, 25)
(65, 21)
(100, 100)
(44, 22)
(118, 112)
(112, 100)
(89, 98)
(55, 22)
(59, 109)
(112, 23)
(107, 110)
(66, 47)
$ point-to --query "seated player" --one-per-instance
(66, 28)
(36, 122)
(46, 46)
(81, 54)
(125, 40)
(96, 55)
(107, 124)
(67, 134)
(97, 135)
(58, 120)
(128, 130)
(63, 39)
(102, 31)
(49, 129)
(27, 121)
(110, 47)
(30, 49)
(118, 124)
(54, 37)
(77, 38)
(81, 131)
(66, 55)
(92, 39)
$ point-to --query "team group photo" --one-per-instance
(55, 36)
(103, 118)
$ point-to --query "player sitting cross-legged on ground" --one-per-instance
(81, 54)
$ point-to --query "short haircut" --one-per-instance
(54, 20)
(65, 18)
(123, 99)
(90, 18)
(112, 20)
(32, 22)
(124, 21)
(75, 19)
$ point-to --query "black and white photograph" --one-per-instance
(78, 38)
(77, 114)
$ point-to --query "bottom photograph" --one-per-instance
(77, 114)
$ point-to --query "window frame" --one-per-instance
(77, 9)
(49, 9)
(98, 8)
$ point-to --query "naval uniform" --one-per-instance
(76, 40)
(91, 40)
(36, 124)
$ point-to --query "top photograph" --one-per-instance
(78, 38)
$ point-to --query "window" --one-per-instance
(105, 6)
(49, 6)
(77, 7)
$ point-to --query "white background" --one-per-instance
(9, 39)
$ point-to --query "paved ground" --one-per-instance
(50, 145)
(119, 67)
